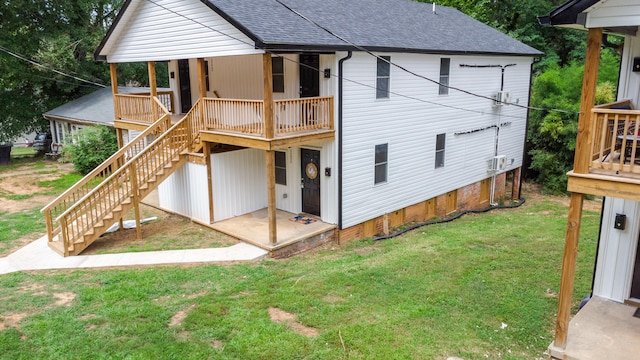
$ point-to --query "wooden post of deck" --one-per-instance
(267, 73)
(271, 190)
(580, 166)
(153, 89)
(587, 101)
(269, 133)
(114, 88)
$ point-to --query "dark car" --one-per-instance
(42, 142)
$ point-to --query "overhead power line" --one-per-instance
(23, 58)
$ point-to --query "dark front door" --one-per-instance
(310, 181)
(185, 85)
(635, 283)
(309, 75)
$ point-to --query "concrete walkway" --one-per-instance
(38, 256)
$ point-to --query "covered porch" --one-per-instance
(603, 329)
(296, 232)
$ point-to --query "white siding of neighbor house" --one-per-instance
(185, 192)
(617, 250)
(154, 33)
(410, 127)
(614, 13)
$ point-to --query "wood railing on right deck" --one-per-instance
(304, 114)
(615, 139)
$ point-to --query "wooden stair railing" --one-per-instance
(83, 221)
(60, 204)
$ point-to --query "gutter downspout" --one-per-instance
(340, 106)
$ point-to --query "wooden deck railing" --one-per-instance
(60, 204)
(614, 140)
(141, 107)
(129, 183)
(247, 116)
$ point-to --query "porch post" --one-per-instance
(268, 96)
(114, 89)
(202, 86)
(153, 90)
(271, 190)
(580, 166)
(587, 101)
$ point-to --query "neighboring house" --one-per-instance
(607, 163)
(279, 114)
(92, 109)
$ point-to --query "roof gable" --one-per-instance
(390, 25)
(621, 16)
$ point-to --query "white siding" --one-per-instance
(629, 86)
(617, 249)
(151, 32)
(239, 182)
(410, 127)
(185, 192)
(614, 13)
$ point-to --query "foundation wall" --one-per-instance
(471, 197)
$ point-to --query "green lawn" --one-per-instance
(480, 287)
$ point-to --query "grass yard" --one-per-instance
(481, 287)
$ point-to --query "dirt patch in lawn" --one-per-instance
(533, 191)
(289, 319)
(168, 232)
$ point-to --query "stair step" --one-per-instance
(57, 246)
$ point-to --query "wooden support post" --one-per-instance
(568, 269)
(114, 89)
(587, 102)
(207, 160)
(271, 191)
(136, 200)
(202, 78)
(153, 89)
(267, 72)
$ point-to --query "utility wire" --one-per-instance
(318, 70)
(23, 58)
(407, 70)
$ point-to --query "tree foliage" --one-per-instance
(60, 35)
(92, 146)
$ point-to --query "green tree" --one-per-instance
(92, 146)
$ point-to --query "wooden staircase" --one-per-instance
(84, 212)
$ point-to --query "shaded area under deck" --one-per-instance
(603, 329)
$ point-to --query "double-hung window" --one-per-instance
(381, 163)
(383, 77)
(440, 142)
(445, 68)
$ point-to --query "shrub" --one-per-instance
(92, 146)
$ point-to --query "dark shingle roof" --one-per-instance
(566, 13)
(378, 25)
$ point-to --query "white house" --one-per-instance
(359, 115)
(606, 164)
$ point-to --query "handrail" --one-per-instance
(121, 183)
(120, 154)
(614, 140)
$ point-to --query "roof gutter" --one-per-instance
(340, 114)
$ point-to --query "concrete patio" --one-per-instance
(603, 329)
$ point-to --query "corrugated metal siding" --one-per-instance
(616, 254)
(154, 33)
(410, 127)
(614, 13)
(198, 192)
(239, 182)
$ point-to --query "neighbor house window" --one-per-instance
(281, 168)
(381, 163)
(445, 66)
(277, 70)
(440, 150)
(382, 77)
